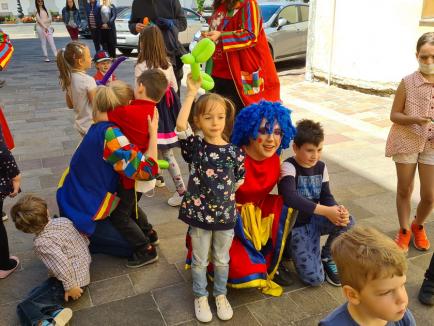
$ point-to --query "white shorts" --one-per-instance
(425, 157)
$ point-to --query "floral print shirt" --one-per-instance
(216, 171)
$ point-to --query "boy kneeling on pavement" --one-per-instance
(65, 253)
(304, 185)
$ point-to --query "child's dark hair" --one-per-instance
(424, 39)
(155, 83)
(201, 107)
(30, 214)
(308, 132)
(67, 60)
(152, 49)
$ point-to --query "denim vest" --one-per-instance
(66, 16)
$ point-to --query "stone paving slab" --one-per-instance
(160, 294)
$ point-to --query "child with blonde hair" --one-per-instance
(87, 192)
(153, 55)
(73, 62)
(411, 145)
(372, 269)
(208, 206)
(129, 219)
(115, 95)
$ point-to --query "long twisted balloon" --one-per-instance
(109, 72)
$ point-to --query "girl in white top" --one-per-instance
(73, 62)
(152, 54)
(44, 29)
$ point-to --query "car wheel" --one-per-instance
(125, 51)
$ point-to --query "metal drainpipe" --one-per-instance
(332, 41)
(308, 75)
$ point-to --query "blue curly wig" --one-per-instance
(249, 119)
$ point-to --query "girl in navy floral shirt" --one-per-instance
(208, 206)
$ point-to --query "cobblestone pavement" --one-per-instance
(361, 178)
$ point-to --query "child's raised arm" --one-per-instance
(153, 130)
(192, 89)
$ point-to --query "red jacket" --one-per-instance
(248, 55)
(132, 119)
(99, 76)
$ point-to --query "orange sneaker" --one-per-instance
(403, 238)
(420, 241)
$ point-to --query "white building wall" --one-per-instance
(373, 41)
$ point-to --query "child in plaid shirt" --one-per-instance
(65, 253)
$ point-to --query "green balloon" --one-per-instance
(201, 53)
(207, 81)
(162, 164)
(203, 50)
(188, 59)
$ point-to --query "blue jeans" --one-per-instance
(305, 247)
(219, 242)
(41, 303)
(107, 240)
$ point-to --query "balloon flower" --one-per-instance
(201, 53)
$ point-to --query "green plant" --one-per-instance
(200, 5)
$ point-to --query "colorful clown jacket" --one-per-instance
(261, 229)
(242, 53)
(87, 189)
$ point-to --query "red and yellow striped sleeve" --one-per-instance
(247, 35)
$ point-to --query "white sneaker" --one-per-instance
(4, 216)
(202, 309)
(46, 59)
(63, 317)
(224, 309)
(175, 200)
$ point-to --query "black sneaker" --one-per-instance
(153, 237)
(426, 292)
(283, 276)
(331, 272)
(142, 258)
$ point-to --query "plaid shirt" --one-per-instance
(65, 253)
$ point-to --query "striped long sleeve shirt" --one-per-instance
(126, 158)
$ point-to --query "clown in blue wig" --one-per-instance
(248, 121)
(263, 222)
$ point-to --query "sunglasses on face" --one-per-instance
(275, 132)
